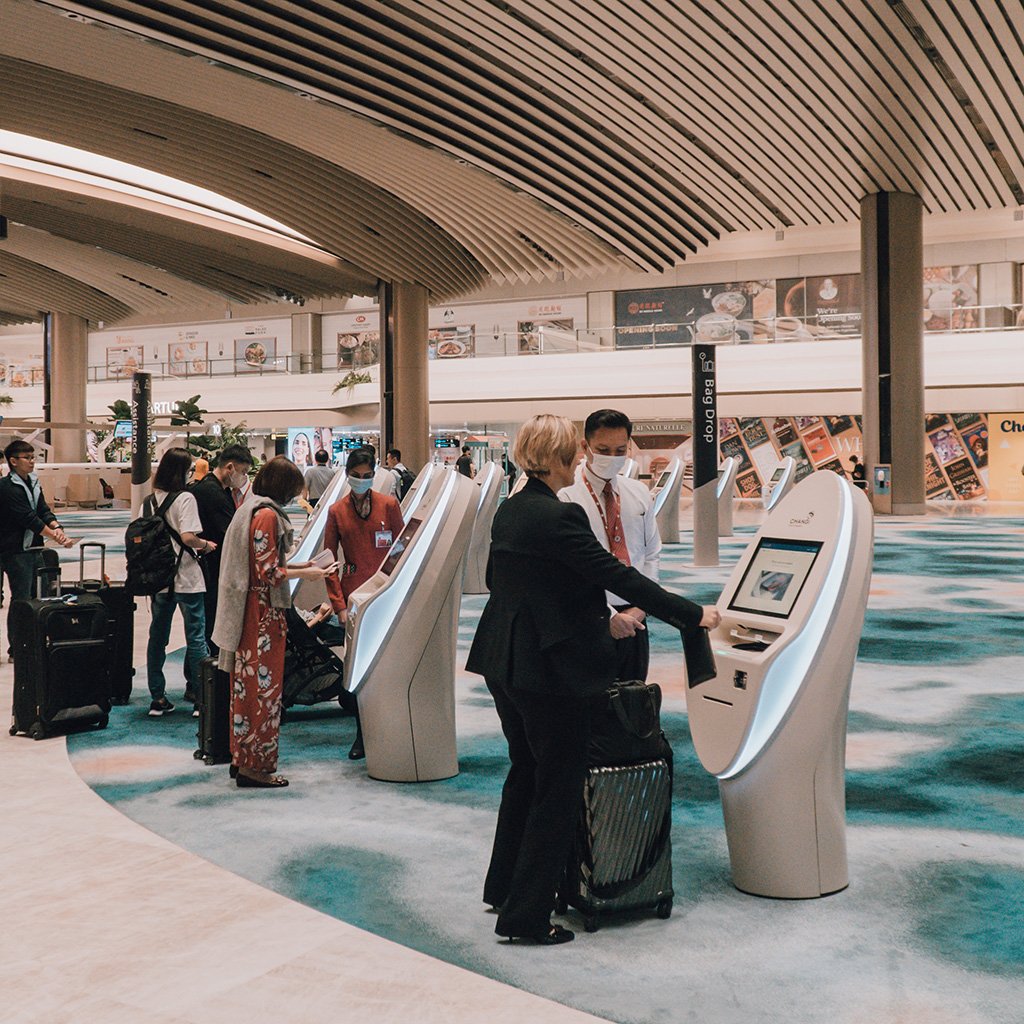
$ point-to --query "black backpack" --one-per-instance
(150, 557)
(405, 481)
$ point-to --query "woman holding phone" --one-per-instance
(250, 628)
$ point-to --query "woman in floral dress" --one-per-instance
(252, 624)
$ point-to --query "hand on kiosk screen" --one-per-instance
(775, 576)
(394, 555)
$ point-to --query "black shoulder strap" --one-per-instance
(162, 513)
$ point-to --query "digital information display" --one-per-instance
(394, 555)
(775, 576)
(123, 429)
(663, 479)
(777, 476)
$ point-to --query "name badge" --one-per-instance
(382, 538)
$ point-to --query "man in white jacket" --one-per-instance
(621, 515)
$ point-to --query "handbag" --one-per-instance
(626, 726)
(700, 659)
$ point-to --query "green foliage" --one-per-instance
(206, 446)
(6, 400)
(350, 380)
(188, 412)
(120, 410)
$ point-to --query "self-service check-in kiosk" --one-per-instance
(724, 491)
(780, 484)
(489, 481)
(771, 725)
(666, 501)
(400, 638)
(631, 469)
(312, 593)
(415, 494)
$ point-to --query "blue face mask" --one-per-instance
(360, 485)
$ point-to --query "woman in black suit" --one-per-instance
(545, 649)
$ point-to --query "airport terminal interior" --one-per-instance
(785, 238)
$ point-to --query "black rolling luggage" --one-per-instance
(622, 849)
(214, 733)
(120, 607)
(60, 662)
(312, 671)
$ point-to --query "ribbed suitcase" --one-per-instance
(214, 734)
(60, 663)
(120, 607)
(622, 850)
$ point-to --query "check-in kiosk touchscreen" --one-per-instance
(663, 479)
(775, 576)
(777, 475)
(398, 547)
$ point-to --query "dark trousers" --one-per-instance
(20, 569)
(547, 745)
(210, 610)
(633, 656)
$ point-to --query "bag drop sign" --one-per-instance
(705, 416)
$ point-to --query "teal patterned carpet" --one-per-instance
(930, 930)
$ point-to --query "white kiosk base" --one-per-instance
(771, 725)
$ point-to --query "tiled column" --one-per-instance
(404, 380)
(66, 358)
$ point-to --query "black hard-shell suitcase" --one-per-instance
(60, 662)
(214, 734)
(622, 848)
(120, 607)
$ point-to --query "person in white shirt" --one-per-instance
(621, 515)
(189, 588)
(383, 479)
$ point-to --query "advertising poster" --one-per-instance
(727, 427)
(947, 445)
(754, 432)
(818, 307)
(833, 466)
(455, 342)
(550, 334)
(975, 438)
(357, 349)
(964, 480)
(748, 485)
(1006, 456)
(185, 358)
(819, 445)
(300, 446)
(122, 361)
(934, 481)
(782, 431)
(803, 464)
(765, 459)
(964, 420)
(804, 423)
(950, 298)
(838, 424)
(734, 446)
(935, 420)
(255, 355)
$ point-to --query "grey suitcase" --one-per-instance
(622, 849)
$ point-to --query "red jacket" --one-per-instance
(354, 542)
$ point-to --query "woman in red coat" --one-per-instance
(361, 527)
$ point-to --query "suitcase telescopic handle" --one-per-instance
(81, 559)
(42, 571)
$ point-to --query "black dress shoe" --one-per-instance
(272, 782)
(233, 771)
(556, 935)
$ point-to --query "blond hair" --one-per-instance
(544, 441)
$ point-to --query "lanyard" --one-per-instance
(612, 541)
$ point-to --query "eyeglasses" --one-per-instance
(27, 458)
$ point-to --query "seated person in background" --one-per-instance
(621, 515)
(318, 477)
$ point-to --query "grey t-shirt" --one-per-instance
(317, 479)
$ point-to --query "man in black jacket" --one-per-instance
(25, 519)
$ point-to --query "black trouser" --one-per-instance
(547, 745)
(210, 610)
(633, 655)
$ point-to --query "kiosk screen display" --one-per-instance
(663, 479)
(777, 476)
(123, 429)
(397, 549)
(775, 576)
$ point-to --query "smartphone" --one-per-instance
(324, 559)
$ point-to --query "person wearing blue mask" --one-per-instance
(361, 527)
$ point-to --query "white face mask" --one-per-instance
(360, 485)
(607, 466)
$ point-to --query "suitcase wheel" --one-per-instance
(664, 909)
(36, 731)
(102, 722)
(591, 923)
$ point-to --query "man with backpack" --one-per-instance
(404, 478)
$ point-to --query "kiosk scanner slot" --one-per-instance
(771, 725)
(666, 501)
(780, 484)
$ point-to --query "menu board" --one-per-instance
(357, 349)
(123, 361)
(185, 358)
(255, 355)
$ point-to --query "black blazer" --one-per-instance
(545, 626)
(17, 515)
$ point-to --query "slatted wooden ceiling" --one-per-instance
(456, 141)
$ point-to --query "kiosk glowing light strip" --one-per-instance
(790, 668)
(775, 576)
(382, 611)
(309, 540)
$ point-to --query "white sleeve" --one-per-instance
(183, 515)
(652, 544)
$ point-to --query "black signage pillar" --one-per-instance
(705, 456)
(142, 407)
